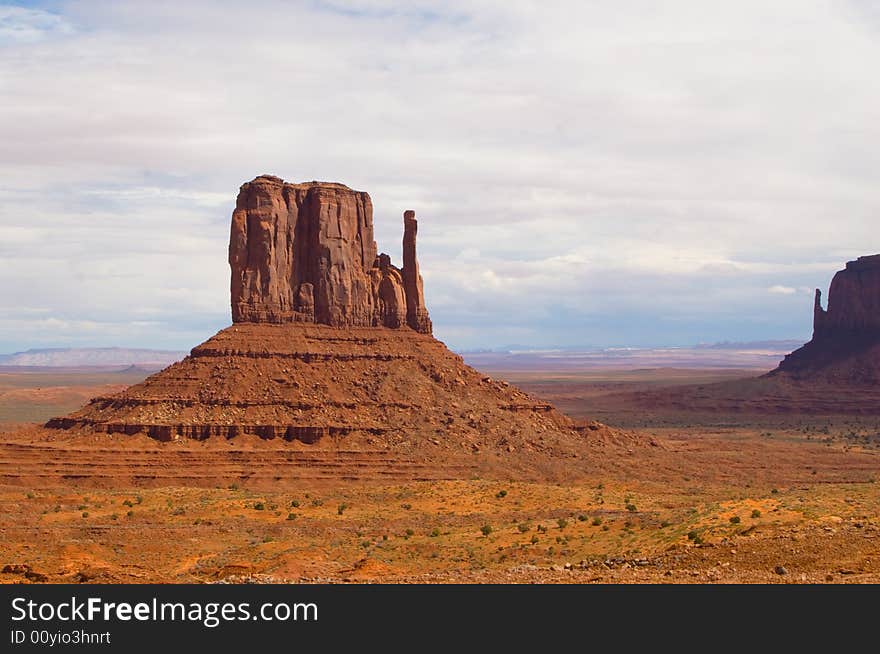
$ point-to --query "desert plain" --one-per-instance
(676, 493)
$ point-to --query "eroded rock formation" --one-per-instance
(845, 347)
(306, 253)
(331, 341)
(853, 301)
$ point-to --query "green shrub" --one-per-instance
(341, 508)
(735, 520)
(501, 493)
(486, 529)
(523, 527)
(291, 516)
(562, 523)
(259, 506)
(295, 504)
(756, 513)
(435, 532)
(596, 521)
(631, 507)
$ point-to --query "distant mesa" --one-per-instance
(845, 347)
(331, 347)
(95, 357)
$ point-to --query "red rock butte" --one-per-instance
(845, 348)
(306, 253)
(331, 344)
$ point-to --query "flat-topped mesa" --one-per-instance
(853, 301)
(306, 253)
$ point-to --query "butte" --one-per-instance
(837, 373)
(845, 348)
(331, 349)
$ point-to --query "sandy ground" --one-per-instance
(729, 503)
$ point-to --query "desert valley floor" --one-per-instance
(688, 495)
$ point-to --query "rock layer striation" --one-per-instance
(331, 344)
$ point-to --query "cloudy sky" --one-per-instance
(585, 173)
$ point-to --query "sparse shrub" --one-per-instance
(562, 523)
(114, 516)
(291, 516)
(128, 503)
(85, 514)
(605, 528)
(435, 532)
(30, 496)
(259, 506)
(81, 507)
(267, 539)
(596, 521)
(665, 524)
(631, 507)
(139, 499)
(542, 529)
(695, 537)
(582, 518)
(233, 487)
(535, 540)
(129, 514)
(57, 508)
(178, 511)
(406, 507)
(365, 544)
(486, 529)
(295, 504)
(756, 513)
(501, 493)
(384, 536)
(735, 520)
(774, 491)
(317, 502)
(523, 527)
(341, 508)
(409, 533)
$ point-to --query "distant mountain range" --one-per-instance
(753, 354)
(758, 355)
(77, 357)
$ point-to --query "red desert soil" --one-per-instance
(708, 504)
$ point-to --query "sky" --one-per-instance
(585, 173)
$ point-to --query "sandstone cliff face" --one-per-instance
(306, 253)
(845, 348)
(853, 301)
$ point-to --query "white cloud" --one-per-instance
(608, 172)
(782, 290)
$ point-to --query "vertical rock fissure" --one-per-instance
(306, 253)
